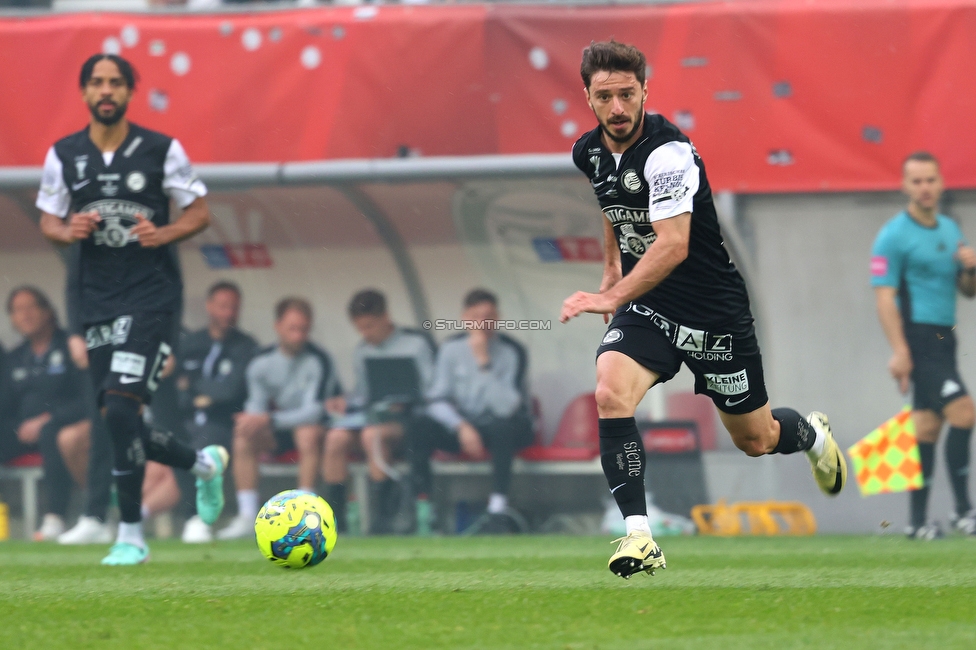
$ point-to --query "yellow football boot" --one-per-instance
(636, 552)
(830, 468)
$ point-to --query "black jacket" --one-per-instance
(51, 383)
(222, 379)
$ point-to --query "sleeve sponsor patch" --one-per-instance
(665, 184)
(49, 181)
(879, 266)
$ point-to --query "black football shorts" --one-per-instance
(127, 354)
(725, 361)
(935, 375)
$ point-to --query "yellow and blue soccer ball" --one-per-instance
(295, 529)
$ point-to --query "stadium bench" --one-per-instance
(27, 470)
(574, 451)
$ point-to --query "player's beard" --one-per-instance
(638, 121)
(111, 119)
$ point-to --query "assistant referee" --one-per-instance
(919, 261)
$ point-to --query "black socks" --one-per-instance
(957, 460)
(795, 433)
(622, 456)
(133, 445)
(919, 498)
(163, 447)
(335, 494)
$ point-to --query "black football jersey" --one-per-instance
(117, 276)
(660, 176)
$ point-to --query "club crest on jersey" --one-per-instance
(118, 218)
(631, 181)
(55, 363)
(633, 242)
(80, 163)
(136, 181)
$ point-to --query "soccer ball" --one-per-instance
(295, 529)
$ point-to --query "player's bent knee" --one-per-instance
(122, 413)
(752, 447)
(610, 403)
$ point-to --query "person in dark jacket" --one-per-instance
(43, 404)
(211, 382)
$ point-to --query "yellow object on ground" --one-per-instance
(4, 522)
(754, 518)
(887, 459)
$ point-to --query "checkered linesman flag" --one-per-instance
(887, 459)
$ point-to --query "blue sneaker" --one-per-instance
(210, 491)
(124, 554)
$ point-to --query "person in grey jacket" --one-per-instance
(377, 419)
(479, 402)
(211, 384)
(291, 388)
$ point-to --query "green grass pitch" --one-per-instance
(515, 592)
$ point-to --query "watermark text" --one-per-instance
(441, 325)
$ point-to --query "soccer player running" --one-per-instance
(109, 186)
(675, 298)
(920, 259)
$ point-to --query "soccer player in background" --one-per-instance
(675, 297)
(109, 186)
(919, 260)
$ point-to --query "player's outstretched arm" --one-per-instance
(195, 218)
(668, 251)
(611, 261)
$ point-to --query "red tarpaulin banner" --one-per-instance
(777, 96)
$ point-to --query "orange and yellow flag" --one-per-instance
(887, 460)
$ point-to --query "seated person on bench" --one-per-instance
(43, 407)
(394, 367)
(479, 401)
(291, 388)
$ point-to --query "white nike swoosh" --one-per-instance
(128, 379)
(617, 488)
(729, 401)
(78, 186)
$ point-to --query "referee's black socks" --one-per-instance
(622, 456)
(795, 433)
(919, 499)
(957, 460)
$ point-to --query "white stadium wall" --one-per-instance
(808, 261)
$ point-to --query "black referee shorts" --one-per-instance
(935, 375)
(127, 354)
(726, 362)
